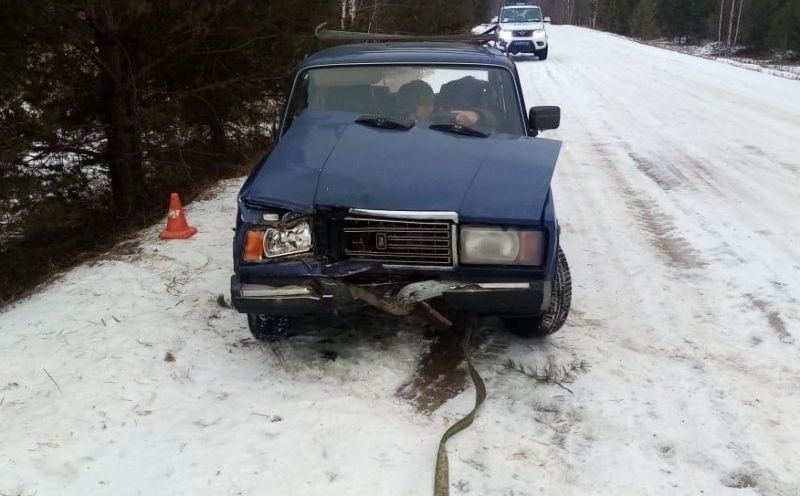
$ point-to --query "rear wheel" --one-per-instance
(542, 54)
(556, 314)
(267, 327)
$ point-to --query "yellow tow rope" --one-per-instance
(441, 483)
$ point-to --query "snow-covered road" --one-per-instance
(679, 190)
(679, 194)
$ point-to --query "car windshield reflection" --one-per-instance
(477, 98)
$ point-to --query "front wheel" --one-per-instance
(267, 327)
(556, 314)
(542, 54)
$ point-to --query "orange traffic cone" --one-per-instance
(177, 227)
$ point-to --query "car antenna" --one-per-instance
(322, 33)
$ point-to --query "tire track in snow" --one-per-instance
(697, 165)
(675, 250)
(729, 196)
(773, 317)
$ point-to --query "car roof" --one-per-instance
(409, 53)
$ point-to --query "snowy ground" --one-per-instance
(678, 192)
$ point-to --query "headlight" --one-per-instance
(540, 34)
(481, 245)
(283, 241)
(274, 242)
(506, 35)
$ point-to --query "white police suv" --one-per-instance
(521, 29)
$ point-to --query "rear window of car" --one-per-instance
(423, 93)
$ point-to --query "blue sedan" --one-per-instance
(406, 176)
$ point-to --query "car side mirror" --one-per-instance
(544, 119)
(495, 19)
(546, 19)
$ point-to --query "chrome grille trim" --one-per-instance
(400, 242)
(406, 214)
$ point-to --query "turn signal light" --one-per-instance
(253, 246)
(531, 248)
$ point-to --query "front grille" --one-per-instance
(398, 242)
(523, 34)
(521, 44)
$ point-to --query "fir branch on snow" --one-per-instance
(551, 373)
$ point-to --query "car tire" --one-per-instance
(554, 317)
(267, 327)
(542, 54)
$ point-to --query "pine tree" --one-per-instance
(644, 23)
(134, 84)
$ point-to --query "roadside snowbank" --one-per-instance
(775, 66)
(157, 389)
(225, 416)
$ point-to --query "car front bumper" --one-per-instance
(522, 45)
(327, 295)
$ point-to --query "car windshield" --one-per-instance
(526, 14)
(445, 97)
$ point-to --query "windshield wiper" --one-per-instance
(386, 122)
(459, 129)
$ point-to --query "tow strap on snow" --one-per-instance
(441, 483)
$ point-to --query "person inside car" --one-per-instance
(415, 100)
(461, 100)
(465, 99)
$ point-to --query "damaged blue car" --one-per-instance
(407, 176)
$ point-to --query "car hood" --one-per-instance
(326, 160)
(521, 26)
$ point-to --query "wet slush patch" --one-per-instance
(740, 480)
(440, 375)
